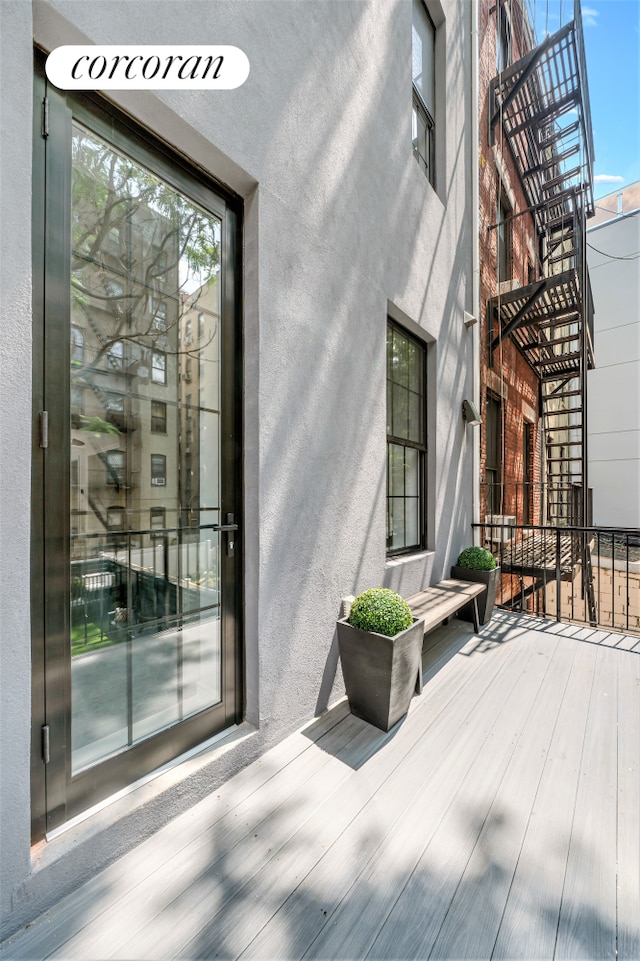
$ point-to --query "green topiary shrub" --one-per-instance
(382, 611)
(477, 559)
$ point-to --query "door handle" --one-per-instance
(229, 527)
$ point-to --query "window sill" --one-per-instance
(404, 559)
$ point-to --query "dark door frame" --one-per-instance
(56, 796)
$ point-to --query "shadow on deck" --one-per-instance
(498, 820)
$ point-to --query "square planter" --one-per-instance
(486, 601)
(381, 674)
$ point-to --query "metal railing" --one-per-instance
(535, 502)
(581, 575)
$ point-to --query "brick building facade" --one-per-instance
(510, 471)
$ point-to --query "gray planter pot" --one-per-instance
(381, 674)
(486, 601)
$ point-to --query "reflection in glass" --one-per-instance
(145, 463)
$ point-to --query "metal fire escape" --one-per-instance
(539, 106)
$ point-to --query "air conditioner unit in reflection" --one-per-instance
(508, 286)
(500, 528)
(157, 481)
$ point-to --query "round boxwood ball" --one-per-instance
(382, 611)
(477, 559)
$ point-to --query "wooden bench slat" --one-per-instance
(437, 603)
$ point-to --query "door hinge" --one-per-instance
(44, 428)
(45, 743)
(45, 117)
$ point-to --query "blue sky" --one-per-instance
(612, 44)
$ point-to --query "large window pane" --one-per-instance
(406, 441)
(145, 452)
(423, 55)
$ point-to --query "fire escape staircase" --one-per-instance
(539, 107)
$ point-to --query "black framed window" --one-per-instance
(503, 40)
(493, 453)
(527, 471)
(503, 235)
(406, 441)
(158, 417)
(423, 127)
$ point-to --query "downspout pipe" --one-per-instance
(475, 230)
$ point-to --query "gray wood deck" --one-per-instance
(500, 819)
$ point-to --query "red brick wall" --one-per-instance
(510, 377)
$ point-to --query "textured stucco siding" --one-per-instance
(339, 223)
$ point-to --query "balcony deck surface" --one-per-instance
(498, 820)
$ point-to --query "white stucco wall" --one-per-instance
(339, 222)
(16, 74)
(614, 386)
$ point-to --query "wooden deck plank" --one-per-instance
(413, 838)
(587, 924)
(629, 808)
(460, 873)
(529, 925)
(75, 912)
(354, 820)
(195, 907)
(242, 839)
(473, 920)
(403, 831)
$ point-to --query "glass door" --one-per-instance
(141, 652)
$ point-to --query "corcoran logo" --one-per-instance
(147, 67)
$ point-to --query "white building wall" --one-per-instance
(340, 223)
(614, 385)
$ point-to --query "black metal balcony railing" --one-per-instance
(555, 502)
(583, 575)
(132, 583)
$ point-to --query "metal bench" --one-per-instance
(435, 605)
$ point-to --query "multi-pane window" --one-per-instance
(77, 347)
(158, 265)
(115, 355)
(159, 314)
(158, 367)
(423, 43)
(503, 40)
(503, 234)
(493, 454)
(200, 326)
(115, 465)
(157, 518)
(527, 472)
(114, 403)
(114, 410)
(158, 470)
(158, 417)
(406, 441)
(115, 518)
